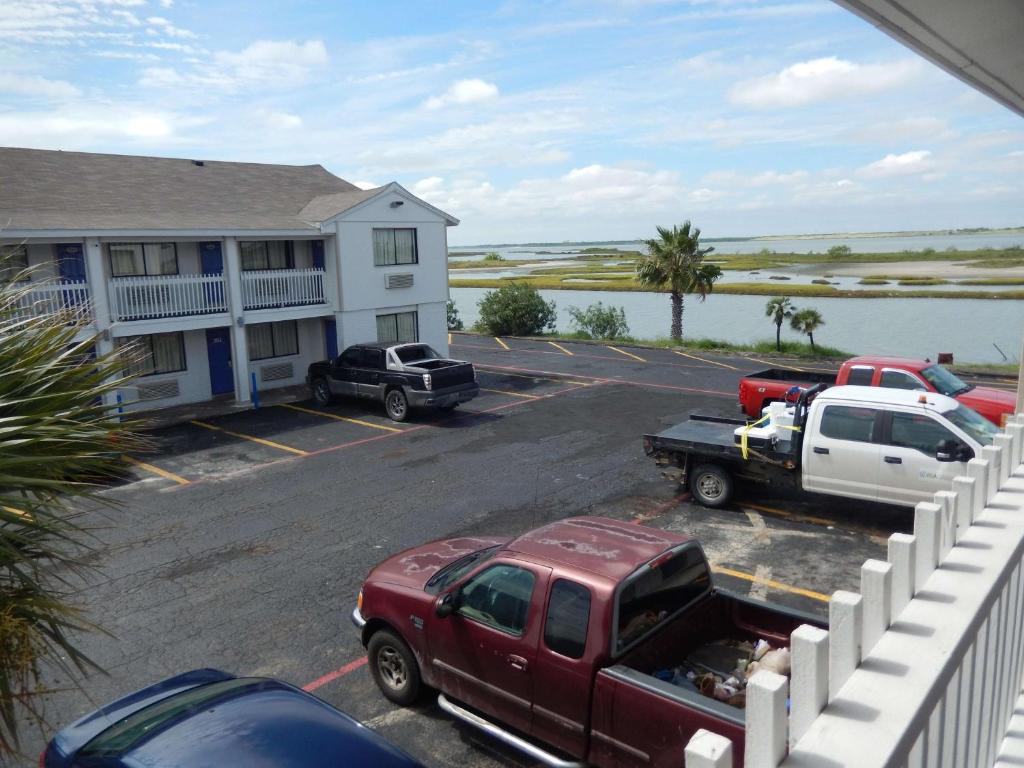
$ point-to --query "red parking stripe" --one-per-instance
(352, 666)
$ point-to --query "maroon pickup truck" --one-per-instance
(588, 640)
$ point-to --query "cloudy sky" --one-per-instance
(532, 121)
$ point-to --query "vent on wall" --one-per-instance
(276, 372)
(398, 281)
(159, 390)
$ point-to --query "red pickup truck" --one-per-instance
(759, 389)
(588, 640)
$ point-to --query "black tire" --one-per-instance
(396, 404)
(394, 668)
(711, 485)
(321, 391)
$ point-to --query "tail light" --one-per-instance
(359, 600)
(427, 383)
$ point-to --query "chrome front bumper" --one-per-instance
(357, 619)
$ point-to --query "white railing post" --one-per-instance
(994, 458)
(964, 488)
(876, 587)
(902, 557)
(978, 469)
(708, 750)
(845, 626)
(927, 518)
(1005, 445)
(808, 679)
(1016, 433)
(766, 720)
(946, 502)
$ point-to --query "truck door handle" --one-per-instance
(518, 662)
(893, 460)
(819, 449)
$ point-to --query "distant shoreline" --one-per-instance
(967, 232)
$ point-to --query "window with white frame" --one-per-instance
(154, 354)
(272, 339)
(399, 327)
(137, 259)
(394, 246)
(267, 254)
(13, 262)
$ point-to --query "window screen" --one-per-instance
(272, 339)
(394, 246)
(899, 380)
(844, 422)
(565, 626)
(860, 376)
(271, 254)
(155, 353)
(13, 260)
(137, 259)
(913, 430)
(403, 326)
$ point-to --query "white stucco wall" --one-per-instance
(360, 326)
(311, 348)
(193, 383)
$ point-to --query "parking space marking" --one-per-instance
(559, 346)
(770, 583)
(503, 370)
(777, 364)
(612, 380)
(156, 470)
(501, 342)
(352, 666)
(260, 440)
(339, 418)
(875, 535)
(449, 339)
(627, 354)
(701, 359)
(508, 392)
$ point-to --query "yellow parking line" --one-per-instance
(501, 342)
(340, 418)
(784, 513)
(701, 359)
(259, 440)
(559, 346)
(775, 364)
(506, 392)
(771, 583)
(156, 470)
(449, 338)
(627, 354)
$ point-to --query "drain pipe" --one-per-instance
(254, 391)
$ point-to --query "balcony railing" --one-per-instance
(48, 298)
(266, 289)
(144, 298)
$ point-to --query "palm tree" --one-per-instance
(778, 309)
(806, 321)
(58, 444)
(676, 261)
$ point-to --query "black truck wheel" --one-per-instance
(711, 485)
(321, 391)
(393, 667)
(396, 404)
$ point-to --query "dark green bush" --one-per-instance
(516, 309)
(600, 322)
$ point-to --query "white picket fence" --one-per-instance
(265, 289)
(141, 298)
(48, 298)
(924, 667)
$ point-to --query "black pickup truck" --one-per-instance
(402, 376)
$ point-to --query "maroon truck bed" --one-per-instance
(641, 720)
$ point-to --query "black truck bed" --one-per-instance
(707, 436)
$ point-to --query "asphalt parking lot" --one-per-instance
(241, 541)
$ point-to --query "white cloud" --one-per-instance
(904, 129)
(283, 120)
(363, 184)
(84, 128)
(822, 79)
(35, 86)
(464, 92)
(167, 28)
(166, 3)
(705, 195)
(907, 164)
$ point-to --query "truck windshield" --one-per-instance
(945, 383)
(454, 571)
(973, 423)
(657, 592)
(416, 352)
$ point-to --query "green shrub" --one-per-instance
(516, 309)
(839, 252)
(600, 322)
(454, 321)
(493, 256)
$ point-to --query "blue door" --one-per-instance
(218, 350)
(212, 260)
(71, 262)
(331, 337)
(318, 253)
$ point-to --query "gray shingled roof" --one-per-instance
(53, 190)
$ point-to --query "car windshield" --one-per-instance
(945, 383)
(416, 352)
(129, 732)
(454, 571)
(973, 423)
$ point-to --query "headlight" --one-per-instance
(427, 384)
